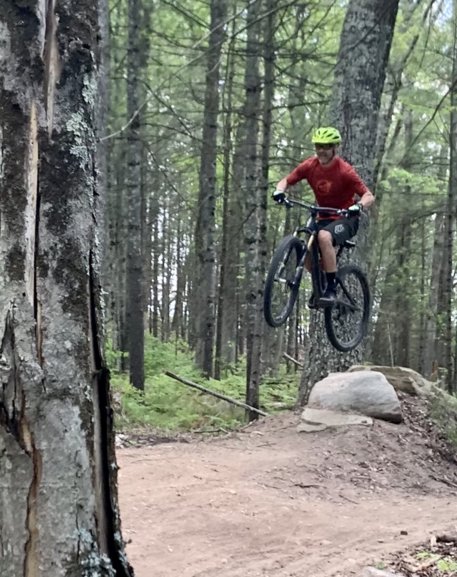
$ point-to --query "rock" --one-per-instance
(401, 378)
(319, 419)
(364, 392)
(121, 440)
(306, 427)
(372, 572)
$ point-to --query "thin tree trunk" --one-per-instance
(135, 307)
(403, 305)
(167, 267)
(155, 312)
(430, 354)
(205, 228)
(254, 217)
(227, 310)
(264, 187)
(452, 214)
(178, 317)
(236, 221)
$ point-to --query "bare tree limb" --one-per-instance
(215, 394)
(292, 360)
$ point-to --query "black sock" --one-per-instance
(330, 279)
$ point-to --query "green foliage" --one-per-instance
(112, 357)
(400, 179)
(410, 198)
(443, 411)
(422, 555)
(447, 565)
(170, 405)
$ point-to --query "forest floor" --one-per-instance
(269, 501)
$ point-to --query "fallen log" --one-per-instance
(292, 360)
(215, 394)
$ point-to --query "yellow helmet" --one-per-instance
(326, 135)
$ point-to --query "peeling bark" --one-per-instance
(51, 61)
(58, 484)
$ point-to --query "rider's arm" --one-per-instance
(355, 183)
(367, 199)
(282, 184)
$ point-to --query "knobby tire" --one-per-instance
(283, 281)
(346, 322)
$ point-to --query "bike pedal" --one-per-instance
(325, 303)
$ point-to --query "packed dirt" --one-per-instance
(268, 501)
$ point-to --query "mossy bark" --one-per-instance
(58, 485)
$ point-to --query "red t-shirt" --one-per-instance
(334, 185)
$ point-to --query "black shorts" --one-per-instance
(341, 229)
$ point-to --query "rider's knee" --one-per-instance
(325, 238)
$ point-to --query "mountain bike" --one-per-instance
(346, 320)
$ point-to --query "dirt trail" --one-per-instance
(274, 503)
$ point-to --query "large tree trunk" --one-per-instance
(359, 81)
(58, 504)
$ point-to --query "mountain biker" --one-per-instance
(336, 184)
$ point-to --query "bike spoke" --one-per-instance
(282, 282)
(347, 319)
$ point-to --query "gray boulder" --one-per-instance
(363, 392)
(401, 378)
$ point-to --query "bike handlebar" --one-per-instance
(289, 202)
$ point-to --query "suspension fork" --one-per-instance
(316, 277)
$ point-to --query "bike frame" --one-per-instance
(310, 244)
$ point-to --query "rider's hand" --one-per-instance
(279, 196)
(355, 209)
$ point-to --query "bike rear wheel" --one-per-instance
(346, 321)
(283, 281)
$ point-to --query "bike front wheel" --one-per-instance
(283, 281)
(346, 321)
